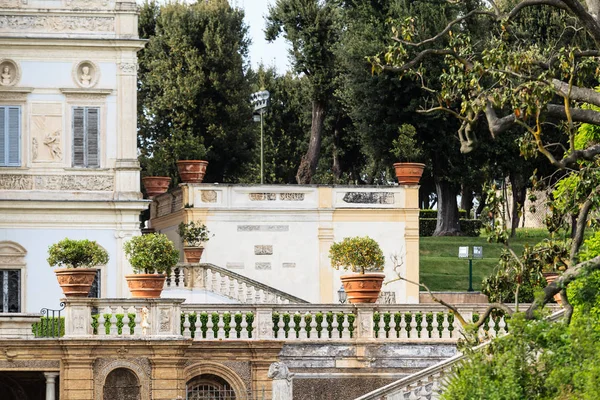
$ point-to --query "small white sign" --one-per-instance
(463, 252)
(477, 252)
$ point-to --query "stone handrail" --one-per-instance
(429, 383)
(169, 318)
(227, 283)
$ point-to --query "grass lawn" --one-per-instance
(442, 270)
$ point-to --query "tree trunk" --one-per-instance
(481, 206)
(466, 199)
(308, 164)
(519, 193)
(447, 218)
(336, 168)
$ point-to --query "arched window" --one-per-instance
(209, 387)
(122, 384)
(12, 276)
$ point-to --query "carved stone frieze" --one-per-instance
(263, 250)
(165, 320)
(208, 196)
(30, 364)
(12, 3)
(262, 265)
(263, 228)
(16, 182)
(288, 265)
(128, 68)
(369, 198)
(74, 182)
(291, 196)
(56, 23)
(262, 196)
(86, 4)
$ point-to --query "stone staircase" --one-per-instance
(223, 282)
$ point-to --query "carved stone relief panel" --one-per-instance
(12, 3)
(10, 73)
(55, 23)
(208, 196)
(86, 74)
(262, 196)
(262, 265)
(263, 250)
(369, 197)
(16, 182)
(291, 196)
(57, 182)
(46, 132)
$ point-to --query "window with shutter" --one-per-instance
(10, 136)
(86, 137)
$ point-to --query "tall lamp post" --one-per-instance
(463, 252)
(260, 101)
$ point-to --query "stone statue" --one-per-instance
(282, 381)
(52, 140)
(6, 76)
(86, 78)
(145, 324)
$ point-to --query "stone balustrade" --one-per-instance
(169, 318)
(226, 283)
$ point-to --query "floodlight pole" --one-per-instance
(262, 153)
(470, 275)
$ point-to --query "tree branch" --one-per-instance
(425, 53)
(586, 19)
(446, 29)
(530, 3)
(561, 282)
(581, 222)
(576, 93)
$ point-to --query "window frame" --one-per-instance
(85, 108)
(4, 108)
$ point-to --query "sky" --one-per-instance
(270, 54)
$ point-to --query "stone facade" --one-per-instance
(281, 235)
(60, 61)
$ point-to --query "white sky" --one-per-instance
(275, 53)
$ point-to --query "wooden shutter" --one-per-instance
(14, 136)
(92, 137)
(3, 136)
(78, 137)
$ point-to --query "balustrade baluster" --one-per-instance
(241, 291)
(231, 287)
(125, 331)
(249, 294)
(280, 326)
(101, 321)
(502, 326)
(403, 332)
(137, 330)
(221, 326)
(244, 325)
(303, 333)
(414, 334)
(345, 326)
(445, 325)
(115, 320)
(198, 326)
(435, 333)
(186, 326)
(313, 328)
(258, 295)
(213, 281)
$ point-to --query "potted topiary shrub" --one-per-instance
(191, 165)
(359, 254)
(151, 256)
(78, 257)
(193, 235)
(405, 149)
(155, 176)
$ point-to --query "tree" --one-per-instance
(509, 79)
(193, 90)
(311, 27)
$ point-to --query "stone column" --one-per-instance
(282, 381)
(51, 385)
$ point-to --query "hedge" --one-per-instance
(49, 327)
(469, 227)
(427, 214)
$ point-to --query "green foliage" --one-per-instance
(152, 253)
(193, 234)
(204, 323)
(238, 324)
(215, 317)
(76, 254)
(319, 322)
(469, 227)
(590, 248)
(249, 321)
(49, 327)
(297, 318)
(358, 254)
(95, 323)
(227, 324)
(404, 147)
(427, 226)
(193, 89)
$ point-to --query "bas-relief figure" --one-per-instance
(6, 76)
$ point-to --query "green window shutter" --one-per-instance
(14, 136)
(93, 137)
(10, 136)
(3, 135)
(78, 137)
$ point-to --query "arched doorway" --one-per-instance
(122, 384)
(209, 387)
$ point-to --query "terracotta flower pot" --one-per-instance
(409, 173)
(145, 286)
(192, 171)
(193, 254)
(551, 277)
(156, 185)
(362, 288)
(75, 282)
